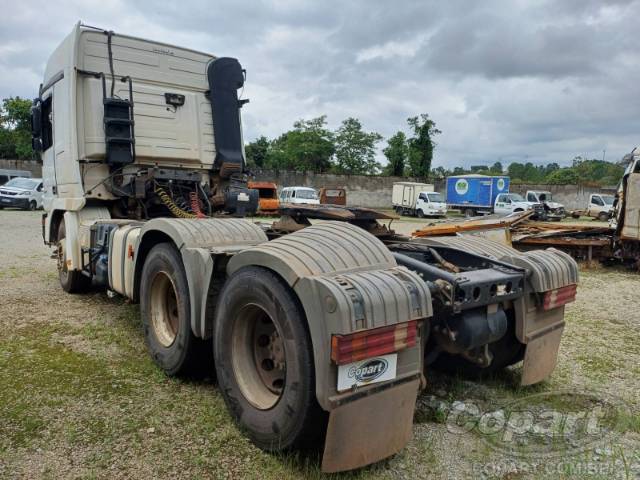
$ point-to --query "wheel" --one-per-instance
(166, 314)
(603, 216)
(72, 281)
(469, 212)
(420, 214)
(33, 205)
(264, 362)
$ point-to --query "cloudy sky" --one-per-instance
(512, 80)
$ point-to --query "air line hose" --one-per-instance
(170, 204)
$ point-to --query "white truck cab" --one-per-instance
(431, 204)
(24, 193)
(546, 199)
(508, 203)
(600, 206)
(299, 195)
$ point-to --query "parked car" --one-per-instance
(299, 195)
(25, 193)
(8, 174)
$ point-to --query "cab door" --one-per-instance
(503, 205)
(596, 205)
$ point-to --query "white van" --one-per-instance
(25, 193)
(299, 195)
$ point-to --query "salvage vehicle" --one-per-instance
(268, 202)
(319, 332)
(600, 206)
(553, 210)
(23, 193)
(333, 196)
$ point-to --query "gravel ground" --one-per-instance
(80, 398)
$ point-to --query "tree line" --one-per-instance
(583, 171)
(350, 150)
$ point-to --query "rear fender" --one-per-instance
(346, 280)
(538, 329)
(201, 244)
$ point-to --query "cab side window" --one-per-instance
(531, 197)
(422, 196)
(47, 125)
(597, 201)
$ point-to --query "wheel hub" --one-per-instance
(258, 357)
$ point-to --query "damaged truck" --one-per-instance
(319, 332)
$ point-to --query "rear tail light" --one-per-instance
(558, 297)
(371, 343)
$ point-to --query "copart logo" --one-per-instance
(545, 425)
(369, 370)
(462, 187)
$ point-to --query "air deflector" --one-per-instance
(225, 77)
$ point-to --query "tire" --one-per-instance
(166, 315)
(264, 362)
(469, 212)
(603, 216)
(71, 281)
(32, 205)
(420, 214)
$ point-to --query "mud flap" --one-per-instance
(381, 423)
(541, 356)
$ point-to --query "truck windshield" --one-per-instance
(545, 197)
(24, 183)
(608, 199)
(516, 197)
(307, 194)
(435, 197)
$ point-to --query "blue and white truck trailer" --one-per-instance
(475, 194)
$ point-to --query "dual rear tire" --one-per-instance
(261, 347)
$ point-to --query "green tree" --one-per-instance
(257, 151)
(15, 128)
(397, 152)
(421, 144)
(355, 149)
(308, 147)
(563, 176)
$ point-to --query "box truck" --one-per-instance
(475, 194)
(411, 198)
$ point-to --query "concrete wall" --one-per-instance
(368, 191)
(31, 165)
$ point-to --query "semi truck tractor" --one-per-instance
(319, 331)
